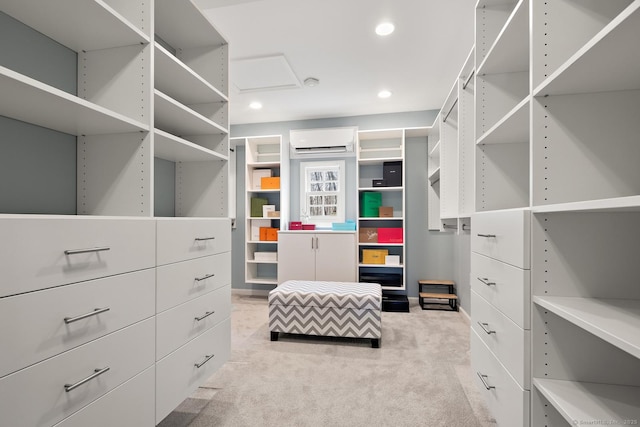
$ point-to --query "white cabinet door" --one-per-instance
(296, 257)
(336, 257)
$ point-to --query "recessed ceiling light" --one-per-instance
(385, 28)
(384, 94)
(255, 105)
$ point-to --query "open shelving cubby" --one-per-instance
(586, 205)
(375, 148)
(263, 153)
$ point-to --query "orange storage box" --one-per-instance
(374, 256)
(270, 183)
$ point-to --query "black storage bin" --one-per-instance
(392, 173)
(395, 303)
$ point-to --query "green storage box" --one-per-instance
(256, 206)
(370, 201)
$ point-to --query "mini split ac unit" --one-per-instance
(322, 142)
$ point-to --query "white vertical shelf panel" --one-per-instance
(114, 175)
(118, 79)
(201, 189)
(466, 139)
(77, 24)
(46, 106)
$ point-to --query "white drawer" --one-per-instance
(186, 280)
(33, 326)
(503, 285)
(33, 255)
(506, 400)
(178, 375)
(508, 342)
(503, 235)
(180, 239)
(36, 396)
(130, 404)
(186, 321)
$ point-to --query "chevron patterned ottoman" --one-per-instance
(337, 309)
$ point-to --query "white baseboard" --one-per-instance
(251, 292)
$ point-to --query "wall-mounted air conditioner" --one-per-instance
(326, 142)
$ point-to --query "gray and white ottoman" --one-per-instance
(337, 309)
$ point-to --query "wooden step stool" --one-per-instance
(451, 297)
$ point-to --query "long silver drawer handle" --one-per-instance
(204, 316)
(486, 281)
(84, 316)
(486, 235)
(201, 239)
(87, 250)
(96, 373)
(208, 276)
(206, 359)
(484, 382)
(484, 328)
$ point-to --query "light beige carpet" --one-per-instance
(420, 376)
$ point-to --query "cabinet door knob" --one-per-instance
(485, 328)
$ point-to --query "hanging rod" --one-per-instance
(450, 110)
(465, 227)
(464, 85)
(454, 227)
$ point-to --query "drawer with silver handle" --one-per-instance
(186, 321)
(503, 285)
(48, 392)
(182, 371)
(505, 339)
(41, 324)
(183, 281)
(505, 399)
(503, 235)
(45, 251)
(180, 239)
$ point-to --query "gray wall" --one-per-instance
(48, 184)
(429, 254)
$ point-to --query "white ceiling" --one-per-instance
(334, 41)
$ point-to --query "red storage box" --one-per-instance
(390, 235)
(295, 225)
(308, 226)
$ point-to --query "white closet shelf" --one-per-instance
(434, 177)
(77, 24)
(510, 51)
(381, 189)
(435, 152)
(253, 261)
(176, 149)
(43, 105)
(177, 80)
(489, 3)
(262, 241)
(174, 117)
(382, 265)
(577, 401)
(512, 128)
(184, 27)
(262, 281)
(264, 164)
(379, 160)
(380, 244)
(615, 321)
(617, 204)
(380, 149)
(605, 64)
(388, 218)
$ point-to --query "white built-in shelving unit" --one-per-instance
(263, 153)
(451, 156)
(558, 138)
(120, 88)
(374, 149)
